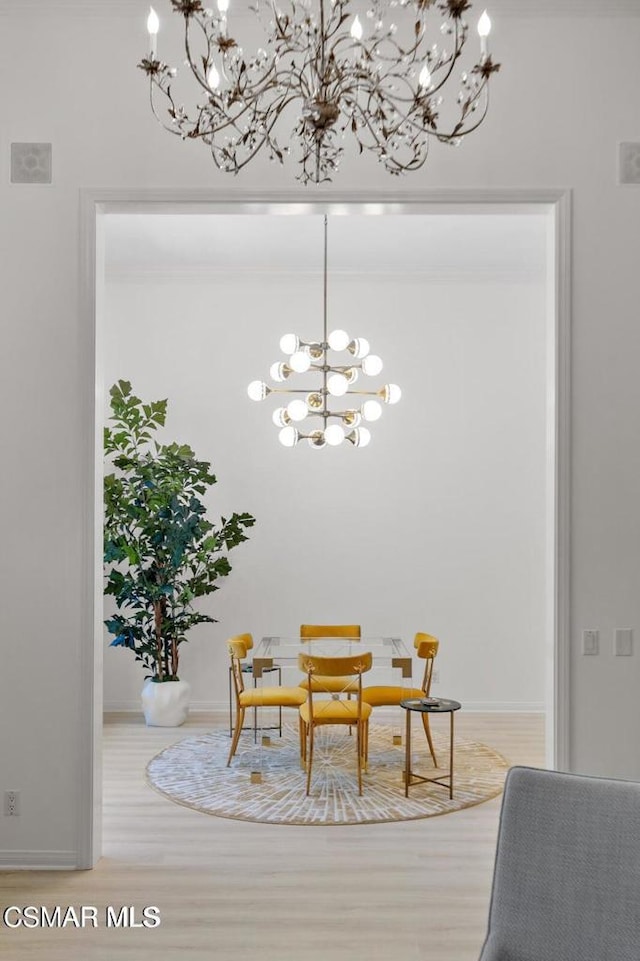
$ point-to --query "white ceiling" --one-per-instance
(508, 8)
(179, 246)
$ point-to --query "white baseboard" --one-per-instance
(135, 707)
(504, 707)
(38, 860)
(211, 707)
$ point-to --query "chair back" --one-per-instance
(319, 668)
(426, 646)
(247, 640)
(422, 638)
(566, 874)
(238, 647)
(312, 631)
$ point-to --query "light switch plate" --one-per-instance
(629, 163)
(30, 163)
(623, 646)
(591, 642)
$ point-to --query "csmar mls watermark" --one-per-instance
(81, 916)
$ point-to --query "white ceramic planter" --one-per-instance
(165, 704)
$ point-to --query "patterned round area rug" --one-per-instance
(193, 772)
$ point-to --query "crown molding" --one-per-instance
(136, 9)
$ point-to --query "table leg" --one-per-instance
(451, 757)
(255, 713)
(407, 754)
(410, 778)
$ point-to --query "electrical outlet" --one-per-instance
(435, 677)
(591, 642)
(12, 803)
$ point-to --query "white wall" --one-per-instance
(437, 526)
(72, 81)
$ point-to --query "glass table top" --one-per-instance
(392, 659)
(288, 647)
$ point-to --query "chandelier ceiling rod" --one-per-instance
(325, 332)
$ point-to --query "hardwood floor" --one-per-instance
(237, 891)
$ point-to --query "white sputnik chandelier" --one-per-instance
(311, 404)
(323, 73)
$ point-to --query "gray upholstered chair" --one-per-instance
(566, 884)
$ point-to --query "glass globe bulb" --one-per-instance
(300, 362)
(337, 385)
(257, 390)
(289, 343)
(288, 437)
(360, 437)
(297, 410)
(338, 340)
(334, 435)
(280, 417)
(371, 365)
(316, 440)
(279, 372)
(359, 347)
(371, 410)
(391, 393)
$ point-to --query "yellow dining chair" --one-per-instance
(390, 695)
(248, 669)
(335, 710)
(332, 685)
(258, 696)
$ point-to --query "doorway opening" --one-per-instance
(463, 532)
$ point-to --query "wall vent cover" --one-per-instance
(30, 163)
(629, 163)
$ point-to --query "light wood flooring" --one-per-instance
(237, 891)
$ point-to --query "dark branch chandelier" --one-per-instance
(326, 72)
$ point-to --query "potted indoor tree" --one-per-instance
(160, 551)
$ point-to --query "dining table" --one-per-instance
(392, 663)
(392, 660)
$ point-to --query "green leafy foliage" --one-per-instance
(161, 552)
